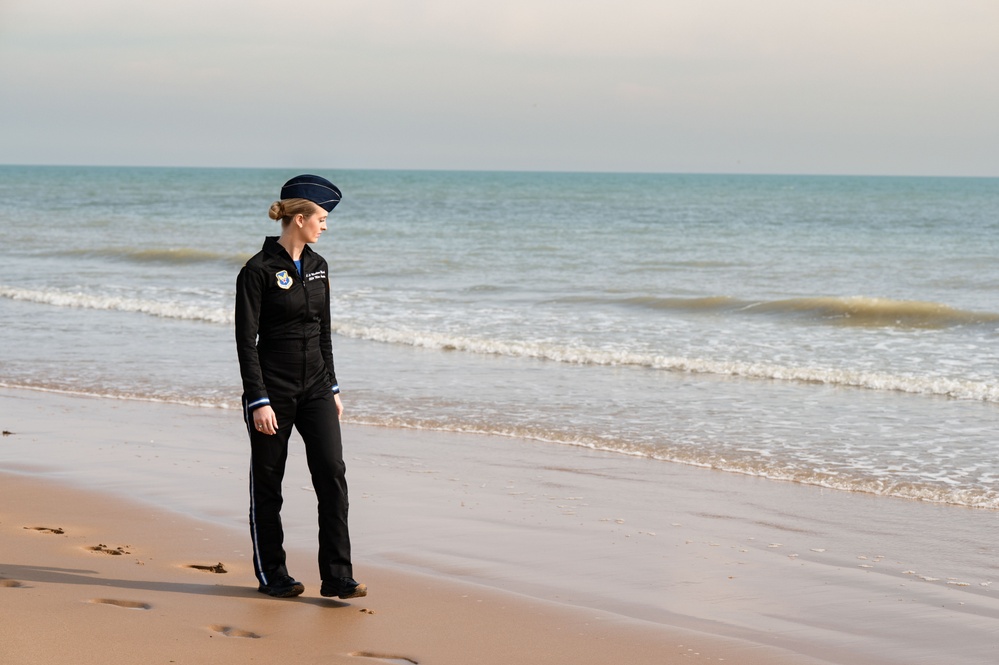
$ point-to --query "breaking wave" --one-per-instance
(117, 303)
(170, 255)
(955, 388)
(556, 352)
(856, 311)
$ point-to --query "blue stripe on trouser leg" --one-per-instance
(257, 570)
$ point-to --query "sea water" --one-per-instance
(837, 331)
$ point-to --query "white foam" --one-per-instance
(762, 467)
(958, 389)
(117, 303)
(563, 353)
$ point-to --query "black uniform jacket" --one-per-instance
(283, 316)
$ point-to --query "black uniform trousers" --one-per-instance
(313, 413)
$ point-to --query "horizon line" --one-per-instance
(497, 170)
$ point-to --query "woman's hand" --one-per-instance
(339, 406)
(264, 420)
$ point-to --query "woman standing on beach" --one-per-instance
(285, 351)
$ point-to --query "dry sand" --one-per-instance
(476, 550)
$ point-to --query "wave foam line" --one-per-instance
(955, 388)
(960, 496)
(970, 497)
(113, 303)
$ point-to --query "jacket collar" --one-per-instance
(273, 247)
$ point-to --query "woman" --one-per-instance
(285, 351)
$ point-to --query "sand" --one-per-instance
(475, 549)
(88, 578)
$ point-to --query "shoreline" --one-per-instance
(752, 568)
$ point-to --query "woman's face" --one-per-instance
(314, 225)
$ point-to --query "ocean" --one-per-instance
(833, 331)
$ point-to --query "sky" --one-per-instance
(867, 87)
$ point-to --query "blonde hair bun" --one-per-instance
(277, 211)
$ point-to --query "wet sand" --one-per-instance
(476, 549)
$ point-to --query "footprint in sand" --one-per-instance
(127, 604)
(11, 584)
(229, 631)
(395, 660)
(47, 529)
(117, 551)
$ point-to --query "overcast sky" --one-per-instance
(907, 87)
